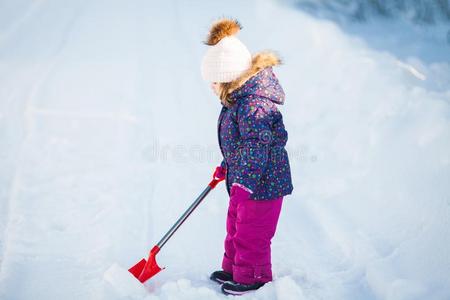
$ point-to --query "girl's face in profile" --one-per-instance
(215, 88)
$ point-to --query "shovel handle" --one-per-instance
(188, 212)
(214, 182)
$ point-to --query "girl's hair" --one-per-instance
(224, 87)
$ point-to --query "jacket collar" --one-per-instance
(260, 61)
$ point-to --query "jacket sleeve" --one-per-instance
(223, 164)
(255, 133)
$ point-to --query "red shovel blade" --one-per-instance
(145, 269)
(136, 270)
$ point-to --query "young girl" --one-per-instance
(252, 138)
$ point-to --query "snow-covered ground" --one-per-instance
(107, 134)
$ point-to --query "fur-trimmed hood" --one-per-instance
(258, 79)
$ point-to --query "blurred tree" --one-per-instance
(417, 11)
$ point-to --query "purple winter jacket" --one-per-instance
(252, 138)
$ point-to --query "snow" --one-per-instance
(124, 284)
(108, 133)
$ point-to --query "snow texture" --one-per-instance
(108, 133)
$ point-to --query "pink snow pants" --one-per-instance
(251, 224)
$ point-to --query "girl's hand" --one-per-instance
(220, 173)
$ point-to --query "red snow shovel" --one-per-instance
(145, 269)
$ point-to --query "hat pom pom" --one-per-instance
(220, 29)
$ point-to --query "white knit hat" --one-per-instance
(227, 57)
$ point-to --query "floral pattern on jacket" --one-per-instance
(252, 138)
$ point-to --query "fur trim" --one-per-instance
(222, 28)
(260, 61)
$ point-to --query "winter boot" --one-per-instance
(221, 276)
(234, 288)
